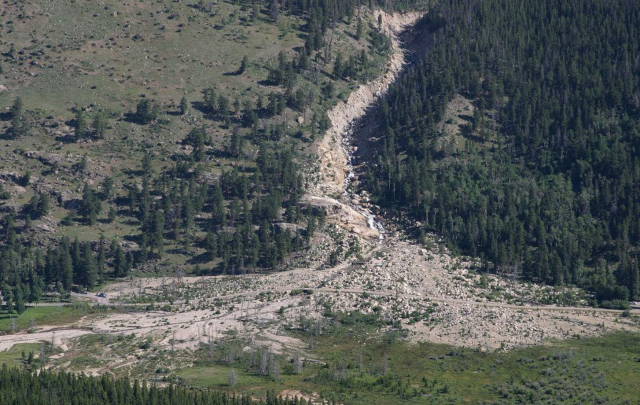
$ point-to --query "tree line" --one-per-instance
(20, 387)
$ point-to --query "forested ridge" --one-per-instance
(544, 180)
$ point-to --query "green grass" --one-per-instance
(89, 55)
(567, 372)
(13, 356)
(471, 376)
(217, 376)
(50, 316)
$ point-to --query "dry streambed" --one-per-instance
(334, 169)
(436, 298)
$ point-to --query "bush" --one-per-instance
(615, 304)
(146, 345)
(146, 112)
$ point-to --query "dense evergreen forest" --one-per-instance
(18, 387)
(544, 181)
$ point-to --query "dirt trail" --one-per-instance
(334, 167)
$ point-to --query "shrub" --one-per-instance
(614, 304)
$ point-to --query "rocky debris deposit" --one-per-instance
(434, 297)
(335, 168)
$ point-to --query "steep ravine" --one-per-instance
(335, 151)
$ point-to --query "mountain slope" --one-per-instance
(539, 175)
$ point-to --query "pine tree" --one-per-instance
(107, 188)
(76, 261)
(7, 294)
(223, 107)
(255, 13)
(359, 29)
(38, 206)
(218, 217)
(36, 292)
(158, 233)
(20, 308)
(80, 125)
(311, 226)
(111, 215)
(254, 251)
(44, 206)
(89, 267)
(209, 96)
(120, 267)
(100, 125)
(634, 281)
(19, 122)
(248, 113)
(10, 231)
(243, 65)
(303, 62)
(147, 166)
(100, 265)
(188, 222)
(132, 198)
(91, 205)
(338, 67)
(237, 143)
(274, 10)
(82, 165)
(557, 275)
(66, 265)
(146, 112)
(184, 106)
(211, 245)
